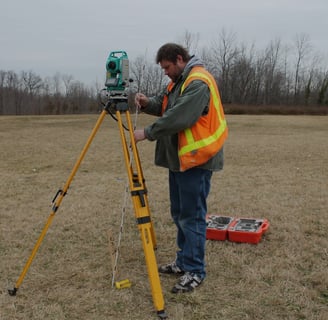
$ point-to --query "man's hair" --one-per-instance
(170, 52)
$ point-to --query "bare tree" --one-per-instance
(138, 68)
(323, 90)
(57, 81)
(303, 48)
(32, 82)
(271, 75)
(67, 79)
(243, 74)
(190, 41)
(15, 96)
(220, 61)
(3, 75)
(154, 80)
(148, 77)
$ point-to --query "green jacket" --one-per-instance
(181, 113)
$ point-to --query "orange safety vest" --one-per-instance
(206, 137)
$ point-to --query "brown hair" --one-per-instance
(170, 52)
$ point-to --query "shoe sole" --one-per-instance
(184, 290)
(172, 273)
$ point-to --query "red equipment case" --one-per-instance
(247, 230)
(217, 227)
(235, 229)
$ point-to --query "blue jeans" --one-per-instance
(188, 194)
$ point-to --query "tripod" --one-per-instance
(138, 193)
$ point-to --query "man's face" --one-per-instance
(173, 69)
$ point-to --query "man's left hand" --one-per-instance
(139, 135)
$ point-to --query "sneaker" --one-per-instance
(188, 282)
(170, 268)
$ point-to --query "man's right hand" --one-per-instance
(140, 100)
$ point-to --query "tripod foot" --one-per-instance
(161, 314)
(12, 292)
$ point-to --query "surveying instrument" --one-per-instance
(117, 78)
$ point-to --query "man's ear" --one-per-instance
(179, 59)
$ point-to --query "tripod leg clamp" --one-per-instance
(55, 207)
(141, 194)
(143, 220)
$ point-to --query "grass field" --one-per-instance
(275, 168)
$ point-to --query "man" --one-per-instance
(189, 138)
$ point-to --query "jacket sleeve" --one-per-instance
(185, 112)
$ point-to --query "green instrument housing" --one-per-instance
(117, 75)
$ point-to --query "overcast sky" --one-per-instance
(74, 37)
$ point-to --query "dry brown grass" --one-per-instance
(275, 168)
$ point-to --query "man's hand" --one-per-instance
(140, 100)
(139, 135)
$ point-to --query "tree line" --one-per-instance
(27, 93)
(278, 75)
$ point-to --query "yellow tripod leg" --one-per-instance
(57, 201)
(139, 169)
(142, 213)
(129, 164)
